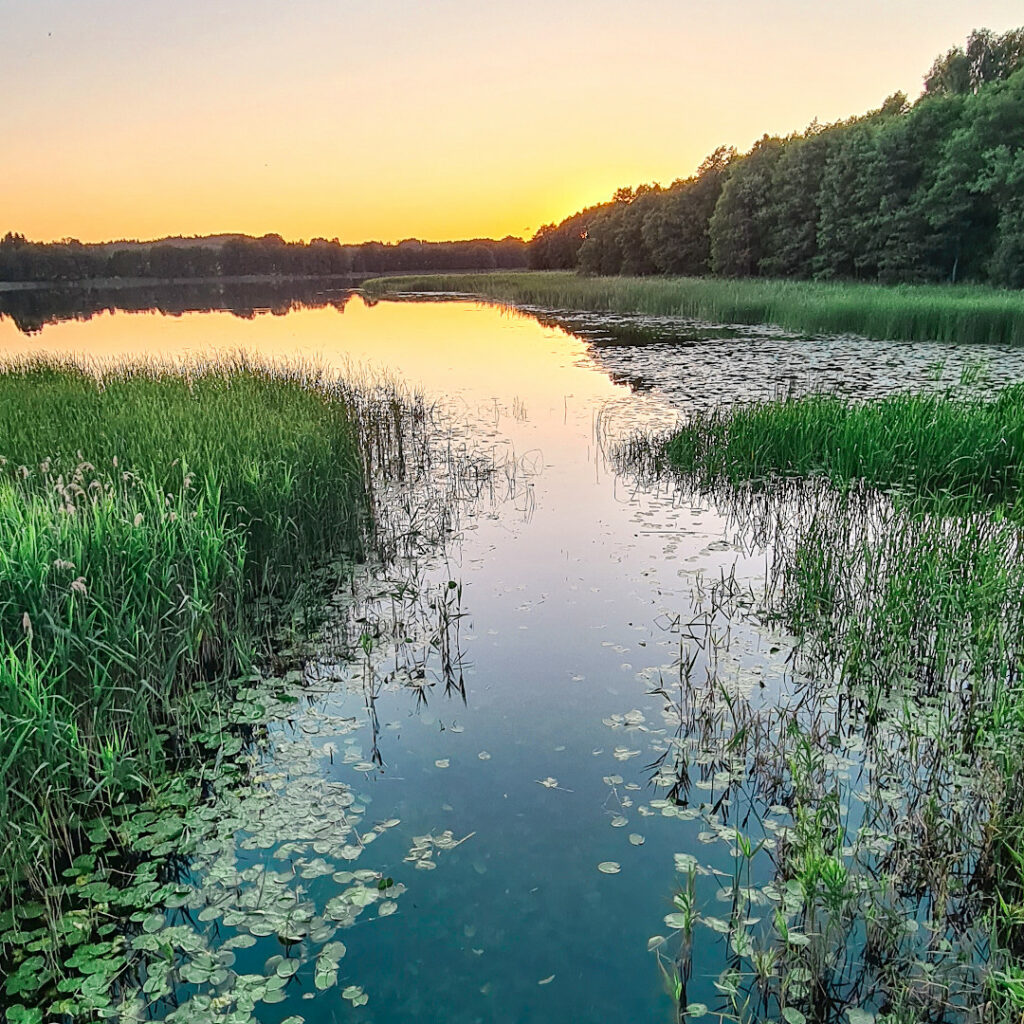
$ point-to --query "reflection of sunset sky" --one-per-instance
(436, 120)
(465, 349)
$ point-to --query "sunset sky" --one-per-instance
(386, 120)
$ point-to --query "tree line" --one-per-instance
(242, 256)
(925, 191)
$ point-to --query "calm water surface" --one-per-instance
(574, 586)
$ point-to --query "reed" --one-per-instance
(151, 519)
(937, 446)
(895, 550)
(961, 313)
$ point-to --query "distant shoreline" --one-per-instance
(113, 283)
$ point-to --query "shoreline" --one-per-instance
(86, 284)
(961, 314)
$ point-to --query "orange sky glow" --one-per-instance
(389, 120)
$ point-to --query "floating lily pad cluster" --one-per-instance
(301, 825)
(255, 818)
(833, 805)
(220, 860)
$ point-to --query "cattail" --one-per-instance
(138, 519)
(26, 624)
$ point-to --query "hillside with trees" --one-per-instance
(926, 191)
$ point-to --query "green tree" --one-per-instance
(635, 255)
(738, 227)
(986, 58)
(600, 252)
(792, 208)
(676, 230)
(971, 203)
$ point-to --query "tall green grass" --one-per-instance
(280, 443)
(907, 541)
(937, 446)
(148, 516)
(969, 314)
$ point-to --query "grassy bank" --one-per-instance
(903, 313)
(923, 445)
(149, 517)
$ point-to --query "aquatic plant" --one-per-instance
(149, 518)
(944, 447)
(886, 777)
(963, 314)
(205, 842)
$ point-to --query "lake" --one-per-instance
(547, 753)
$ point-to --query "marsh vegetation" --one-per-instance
(893, 758)
(963, 315)
(321, 676)
(160, 524)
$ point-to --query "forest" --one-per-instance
(241, 256)
(911, 192)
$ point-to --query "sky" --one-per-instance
(385, 120)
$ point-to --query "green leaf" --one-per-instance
(20, 1014)
(859, 1016)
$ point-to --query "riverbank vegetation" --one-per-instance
(896, 560)
(151, 520)
(926, 446)
(909, 192)
(973, 314)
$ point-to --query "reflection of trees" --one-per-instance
(33, 309)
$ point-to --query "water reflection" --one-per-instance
(589, 720)
(32, 309)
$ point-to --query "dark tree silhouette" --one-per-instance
(241, 256)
